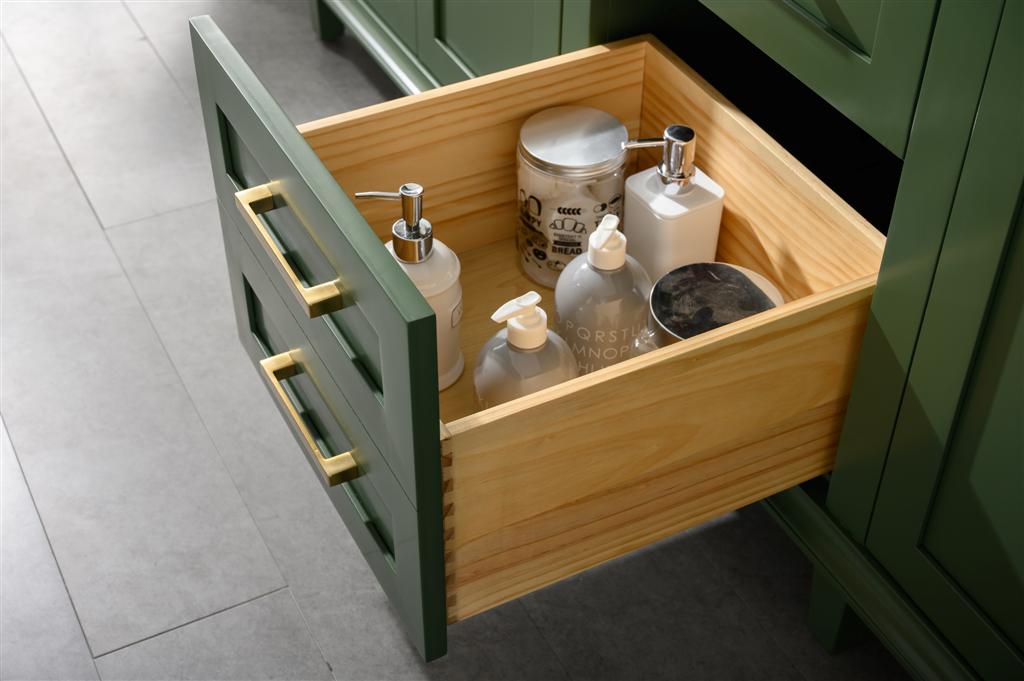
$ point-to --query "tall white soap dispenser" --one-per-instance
(601, 300)
(523, 357)
(672, 211)
(434, 269)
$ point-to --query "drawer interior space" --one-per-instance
(459, 142)
(545, 486)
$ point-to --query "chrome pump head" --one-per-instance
(679, 147)
(413, 237)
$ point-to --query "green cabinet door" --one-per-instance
(399, 16)
(864, 57)
(459, 39)
(949, 519)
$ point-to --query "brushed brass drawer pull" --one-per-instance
(336, 469)
(315, 300)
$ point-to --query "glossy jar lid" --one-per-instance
(573, 141)
(696, 298)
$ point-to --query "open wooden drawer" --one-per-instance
(499, 502)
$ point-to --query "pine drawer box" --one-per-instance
(458, 510)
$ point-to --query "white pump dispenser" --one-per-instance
(601, 300)
(434, 269)
(523, 357)
(673, 210)
(607, 246)
(526, 324)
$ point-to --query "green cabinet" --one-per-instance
(862, 56)
(926, 493)
(949, 520)
(425, 43)
(399, 16)
(947, 525)
(459, 39)
(919, 531)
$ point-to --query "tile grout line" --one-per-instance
(53, 133)
(312, 637)
(163, 347)
(757, 620)
(220, 456)
(160, 58)
(42, 525)
(163, 213)
(192, 621)
(49, 545)
(160, 340)
(561, 662)
(170, 357)
(202, 419)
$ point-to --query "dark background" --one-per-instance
(863, 172)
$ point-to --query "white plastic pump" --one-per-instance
(606, 249)
(526, 323)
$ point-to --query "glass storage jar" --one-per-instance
(571, 170)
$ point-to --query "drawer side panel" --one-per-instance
(779, 219)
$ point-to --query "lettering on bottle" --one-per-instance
(599, 348)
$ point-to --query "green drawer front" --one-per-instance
(376, 354)
(386, 323)
(346, 338)
(383, 523)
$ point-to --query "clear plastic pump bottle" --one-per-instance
(523, 357)
(601, 300)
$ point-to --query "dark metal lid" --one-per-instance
(696, 298)
(573, 141)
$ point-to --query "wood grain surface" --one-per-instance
(459, 141)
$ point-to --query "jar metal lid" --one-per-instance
(696, 298)
(573, 141)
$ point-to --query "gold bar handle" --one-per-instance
(336, 469)
(315, 300)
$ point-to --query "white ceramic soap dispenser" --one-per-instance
(672, 211)
(434, 269)
(601, 300)
(523, 357)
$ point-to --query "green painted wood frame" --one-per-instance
(592, 22)
(951, 89)
(397, 59)
(237, 106)
(875, 85)
(385, 532)
(934, 168)
(981, 226)
(449, 66)
(848, 569)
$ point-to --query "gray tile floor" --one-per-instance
(157, 519)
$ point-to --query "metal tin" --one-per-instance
(696, 298)
(571, 173)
